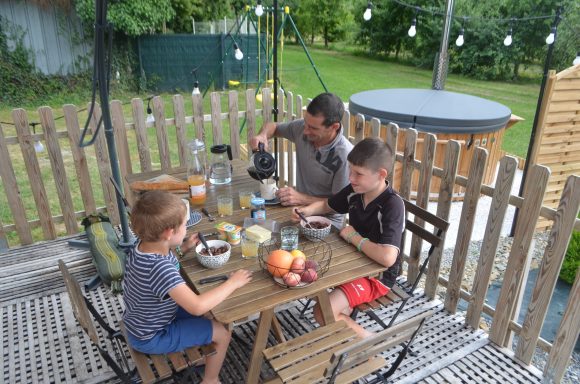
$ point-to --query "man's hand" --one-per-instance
(289, 196)
(260, 138)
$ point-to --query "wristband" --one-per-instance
(350, 236)
(361, 242)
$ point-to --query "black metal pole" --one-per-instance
(101, 26)
(275, 70)
(547, 64)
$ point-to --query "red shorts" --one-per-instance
(363, 290)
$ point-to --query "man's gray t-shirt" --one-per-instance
(320, 172)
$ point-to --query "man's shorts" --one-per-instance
(183, 332)
(363, 290)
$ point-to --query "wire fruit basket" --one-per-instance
(289, 272)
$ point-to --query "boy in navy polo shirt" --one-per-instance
(162, 314)
(377, 220)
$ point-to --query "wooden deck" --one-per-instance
(41, 341)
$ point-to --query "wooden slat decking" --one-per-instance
(42, 342)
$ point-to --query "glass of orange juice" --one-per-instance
(249, 247)
(245, 199)
(225, 206)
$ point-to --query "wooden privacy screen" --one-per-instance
(557, 144)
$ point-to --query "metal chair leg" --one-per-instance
(304, 309)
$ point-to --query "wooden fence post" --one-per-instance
(141, 135)
(161, 132)
(549, 269)
(20, 119)
(216, 118)
(180, 129)
(516, 272)
(233, 111)
(466, 223)
(500, 201)
(450, 165)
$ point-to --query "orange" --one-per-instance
(279, 262)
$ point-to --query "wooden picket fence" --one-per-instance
(171, 135)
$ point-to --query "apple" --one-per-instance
(291, 279)
(297, 265)
(312, 264)
(309, 275)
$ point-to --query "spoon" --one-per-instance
(209, 217)
(303, 218)
(202, 239)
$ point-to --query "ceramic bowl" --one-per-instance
(312, 233)
(216, 261)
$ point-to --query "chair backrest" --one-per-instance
(364, 349)
(79, 305)
(435, 238)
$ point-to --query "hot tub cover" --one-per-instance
(430, 110)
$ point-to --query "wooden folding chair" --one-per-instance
(150, 368)
(398, 292)
(334, 354)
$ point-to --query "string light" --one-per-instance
(259, 9)
(577, 59)
(508, 39)
(459, 42)
(413, 30)
(239, 55)
(368, 13)
(551, 37)
(195, 88)
(38, 147)
(150, 118)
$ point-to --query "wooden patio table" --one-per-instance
(262, 295)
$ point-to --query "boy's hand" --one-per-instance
(240, 277)
(346, 232)
(189, 242)
(295, 218)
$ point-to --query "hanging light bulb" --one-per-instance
(259, 9)
(508, 39)
(368, 14)
(238, 52)
(195, 88)
(459, 42)
(150, 118)
(38, 147)
(577, 59)
(551, 37)
(413, 30)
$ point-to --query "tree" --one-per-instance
(327, 18)
(132, 18)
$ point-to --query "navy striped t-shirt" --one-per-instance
(148, 279)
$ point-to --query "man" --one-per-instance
(321, 151)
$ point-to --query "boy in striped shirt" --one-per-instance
(162, 314)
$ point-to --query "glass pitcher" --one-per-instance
(220, 164)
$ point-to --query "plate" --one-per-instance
(194, 218)
(274, 201)
(280, 282)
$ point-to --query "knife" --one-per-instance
(209, 217)
(213, 279)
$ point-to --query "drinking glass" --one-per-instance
(289, 238)
(245, 199)
(225, 206)
(249, 247)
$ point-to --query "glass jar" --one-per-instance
(258, 211)
(196, 172)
